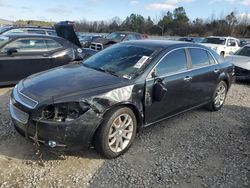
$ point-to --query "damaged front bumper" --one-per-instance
(75, 134)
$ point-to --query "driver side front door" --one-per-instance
(175, 77)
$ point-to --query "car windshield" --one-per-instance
(245, 51)
(116, 36)
(214, 40)
(122, 60)
(85, 38)
(3, 40)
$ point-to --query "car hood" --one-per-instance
(67, 80)
(240, 61)
(66, 31)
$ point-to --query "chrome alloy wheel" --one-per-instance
(120, 133)
(220, 96)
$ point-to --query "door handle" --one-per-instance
(216, 70)
(188, 78)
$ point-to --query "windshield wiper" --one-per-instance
(102, 70)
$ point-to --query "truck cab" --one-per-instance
(222, 45)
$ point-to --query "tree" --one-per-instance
(166, 22)
(148, 25)
(180, 15)
(231, 21)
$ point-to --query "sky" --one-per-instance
(96, 10)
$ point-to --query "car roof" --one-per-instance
(30, 27)
(164, 44)
(30, 35)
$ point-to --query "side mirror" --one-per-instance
(11, 51)
(159, 91)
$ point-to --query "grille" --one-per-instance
(96, 46)
(18, 114)
(23, 99)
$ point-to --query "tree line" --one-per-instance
(171, 23)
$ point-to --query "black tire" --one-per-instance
(222, 54)
(101, 139)
(211, 106)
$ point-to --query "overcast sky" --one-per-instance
(58, 10)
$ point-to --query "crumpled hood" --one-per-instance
(240, 61)
(67, 80)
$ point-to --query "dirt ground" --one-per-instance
(195, 149)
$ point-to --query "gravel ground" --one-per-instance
(196, 149)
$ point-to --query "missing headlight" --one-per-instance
(64, 112)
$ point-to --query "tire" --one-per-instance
(219, 97)
(222, 54)
(107, 140)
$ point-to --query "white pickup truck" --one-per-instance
(222, 45)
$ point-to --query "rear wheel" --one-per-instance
(117, 133)
(219, 97)
(222, 54)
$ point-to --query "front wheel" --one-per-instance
(117, 133)
(219, 97)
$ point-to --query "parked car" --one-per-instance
(244, 42)
(186, 39)
(191, 39)
(241, 61)
(113, 38)
(23, 55)
(222, 45)
(87, 39)
(107, 98)
(28, 30)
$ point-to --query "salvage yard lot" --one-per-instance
(195, 149)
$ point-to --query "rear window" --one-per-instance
(199, 57)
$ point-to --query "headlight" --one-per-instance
(64, 112)
(215, 48)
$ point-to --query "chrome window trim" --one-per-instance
(179, 72)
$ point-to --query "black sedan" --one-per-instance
(107, 98)
(23, 55)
